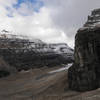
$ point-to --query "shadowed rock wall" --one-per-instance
(84, 75)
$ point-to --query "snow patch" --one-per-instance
(61, 69)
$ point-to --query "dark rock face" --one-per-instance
(22, 53)
(5, 69)
(84, 75)
(4, 73)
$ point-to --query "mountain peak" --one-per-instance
(93, 19)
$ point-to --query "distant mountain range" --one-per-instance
(23, 53)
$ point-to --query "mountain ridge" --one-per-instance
(24, 53)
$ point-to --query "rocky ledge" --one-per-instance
(84, 75)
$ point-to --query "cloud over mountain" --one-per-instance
(49, 20)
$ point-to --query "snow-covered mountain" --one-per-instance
(35, 44)
(93, 19)
(24, 53)
(61, 48)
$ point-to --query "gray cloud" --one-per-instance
(69, 15)
(57, 20)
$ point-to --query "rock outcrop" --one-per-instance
(24, 53)
(84, 75)
(5, 69)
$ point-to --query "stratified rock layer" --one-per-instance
(84, 75)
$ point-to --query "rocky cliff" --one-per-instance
(85, 73)
(23, 53)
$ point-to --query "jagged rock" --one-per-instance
(84, 75)
(93, 19)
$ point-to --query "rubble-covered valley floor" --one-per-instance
(42, 84)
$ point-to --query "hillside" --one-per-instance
(24, 53)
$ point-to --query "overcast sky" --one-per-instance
(52, 21)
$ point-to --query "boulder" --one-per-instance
(5, 69)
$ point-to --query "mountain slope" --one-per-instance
(24, 53)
